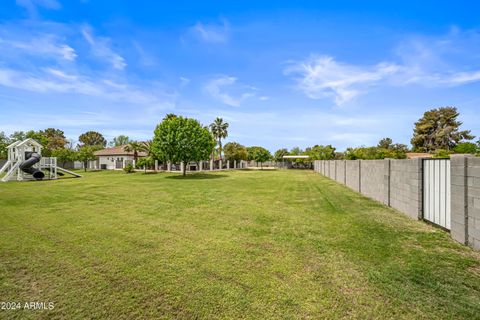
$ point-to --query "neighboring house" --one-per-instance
(114, 158)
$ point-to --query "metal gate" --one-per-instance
(436, 191)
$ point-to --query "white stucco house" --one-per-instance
(115, 158)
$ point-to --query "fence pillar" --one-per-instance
(387, 181)
(200, 166)
(228, 164)
(182, 166)
(156, 165)
(169, 166)
(360, 176)
(459, 198)
(211, 165)
(335, 170)
(234, 164)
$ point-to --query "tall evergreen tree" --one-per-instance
(438, 129)
(92, 138)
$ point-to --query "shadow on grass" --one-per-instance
(197, 176)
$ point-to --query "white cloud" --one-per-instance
(51, 80)
(46, 45)
(32, 5)
(212, 33)
(216, 88)
(184, 81)
(322, 76)
(446, 61)
(101, 47)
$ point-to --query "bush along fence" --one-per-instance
(442, 191)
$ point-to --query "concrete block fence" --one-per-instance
(399, 184)
(465, 199)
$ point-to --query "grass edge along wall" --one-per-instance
(399, 184)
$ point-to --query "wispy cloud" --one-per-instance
(32, 5)
(212, 33)
(40, 45)
(428, 62)
(323, 76)
(101, 47)
(447, 60)
(184, 81)
(51, 80)
(217, 89)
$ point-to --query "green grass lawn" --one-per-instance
(243, 244)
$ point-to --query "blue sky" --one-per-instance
(282, 73)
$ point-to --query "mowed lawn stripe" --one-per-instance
(238, 244)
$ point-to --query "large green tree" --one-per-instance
(64, 155)
(92, 138)
(17, 136)
(55, 138)
(179, 139)
(4, 142)
(319, 152)
(296, 151)
(86, 153)
(385, 143)
(235, 151)
(396, 151)
(51, 139)
(120, 140)
(278, 155)
(466, 147)
(438, 129)
(219, 130)
(259, 154)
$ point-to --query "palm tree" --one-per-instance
(135, 147)
(146, 146)
(219, 132)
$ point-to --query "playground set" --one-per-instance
(26, 163)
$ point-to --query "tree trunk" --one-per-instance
(220, 147)
(184, 169)
(85, 163)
